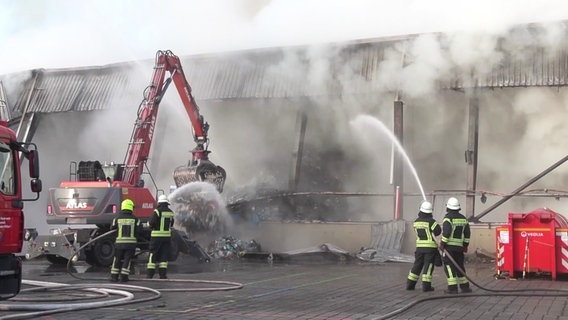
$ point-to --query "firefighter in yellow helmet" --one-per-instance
(161, 224)
(426, 229)
(455, 241)
(128, 227)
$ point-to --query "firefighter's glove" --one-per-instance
(442, 246)
(464, 249)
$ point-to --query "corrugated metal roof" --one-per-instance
(77, 89)
(354, 69)
(540, 69)
(308, 71)
(284, 72)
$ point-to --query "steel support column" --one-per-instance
(398, 161)
(301, 123)
(471, 154)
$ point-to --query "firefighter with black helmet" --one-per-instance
(161, 224)
(455, 241)
(426, 229)
(127, 226)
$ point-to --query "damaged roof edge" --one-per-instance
(353, 67)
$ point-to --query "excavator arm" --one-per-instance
(200, 127)
(199, 167)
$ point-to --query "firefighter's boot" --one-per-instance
(162, 273)
(427, 286)
(464, 288)
(150, 273)
(452, 289)
(124, 278)
(410, 284)
(114, 277)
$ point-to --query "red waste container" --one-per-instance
(503, 263)
(562, 250)
(533, 243)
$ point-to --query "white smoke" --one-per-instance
(52, 34)
(68, 33)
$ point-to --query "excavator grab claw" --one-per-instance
(204, 171)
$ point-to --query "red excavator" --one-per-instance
(95, 190)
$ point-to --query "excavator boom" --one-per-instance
(199, 168)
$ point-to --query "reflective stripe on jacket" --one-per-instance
(127, 228)
(424, 237)
(166, 221)
(426, 228)
(456, 231)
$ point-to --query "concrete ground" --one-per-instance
(314, 287)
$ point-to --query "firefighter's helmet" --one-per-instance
(453, 204)
(163, 199)
(426, 207)
(127, 204)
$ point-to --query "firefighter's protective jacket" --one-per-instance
(455, 230)
(128, 227)
(162, 221)
(426, 229)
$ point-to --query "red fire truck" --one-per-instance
(11, 206)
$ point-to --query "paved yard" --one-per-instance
(309, 289)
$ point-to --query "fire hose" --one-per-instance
(493, 292)
(96, 290)
(229, 285)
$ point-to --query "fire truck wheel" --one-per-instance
(55, 259)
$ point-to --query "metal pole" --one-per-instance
(397, 203)
(297, 155)
(25, 111)
(521, 188)
(526, 257)
(471, 154)
(398, 164)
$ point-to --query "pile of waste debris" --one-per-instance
(266, 198)
(229, 248)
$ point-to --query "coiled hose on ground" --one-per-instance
(97, 290)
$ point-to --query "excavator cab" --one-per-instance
(200, 170)
(96, 171)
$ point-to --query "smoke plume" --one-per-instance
(521, 130)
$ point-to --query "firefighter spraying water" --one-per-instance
(94, 196)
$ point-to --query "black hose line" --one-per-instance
(494, 292)
(235, 285)
(70, 261)
(500, 291)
